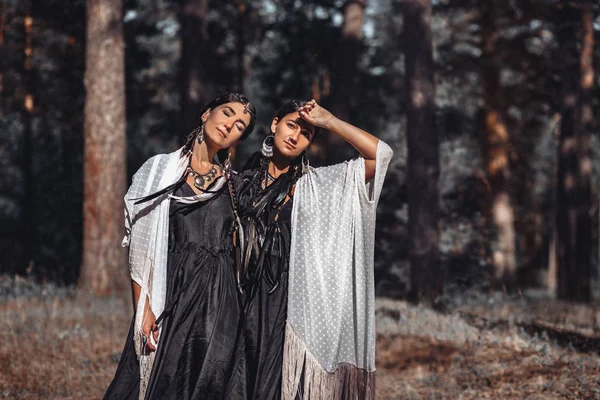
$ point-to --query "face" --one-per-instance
(225, 124)
(292, 135)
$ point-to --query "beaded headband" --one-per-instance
(245, 104)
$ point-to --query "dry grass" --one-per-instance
(486, 352)
(67, 348)
(60, 348)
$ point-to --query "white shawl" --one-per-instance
(330, 332)
(147, 235)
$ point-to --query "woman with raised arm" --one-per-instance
(186, 338)
(307, 268)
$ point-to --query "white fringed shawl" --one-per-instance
(330, 332)
(147, 235)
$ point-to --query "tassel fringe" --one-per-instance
(146, 363)
(305, 378)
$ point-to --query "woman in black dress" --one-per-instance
(187, 340)
(265, 205)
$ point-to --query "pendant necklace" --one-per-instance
(267, 181)
(201, 179)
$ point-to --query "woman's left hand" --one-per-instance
(315, 115)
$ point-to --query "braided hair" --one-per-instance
(261, 204)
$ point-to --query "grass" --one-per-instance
(60, 348)
(68, 348)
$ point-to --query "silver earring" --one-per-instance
(200, 137)
(267, 146)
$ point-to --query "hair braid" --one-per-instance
(238, 228)
(189, 142)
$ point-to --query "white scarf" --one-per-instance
(147, 235)
(330, 332)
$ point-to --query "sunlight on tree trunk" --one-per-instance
(423, 153)
(29, 216)
(496, 153)
(552, 267)
(504, 254)
(104, 268)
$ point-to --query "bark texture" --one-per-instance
(104, 268)
(574, 197)
(423, 153)
(496, 148)
(344, 75)
(193, 44)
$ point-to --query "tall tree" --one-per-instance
(423, 152)
(103, 265)
(574, 198)
(29, 216)
(193, 44)
(242, 8)
(495, 148)
(344, 73)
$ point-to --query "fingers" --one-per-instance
(147, 335)
(305, 116)
(306, 111)
(309, 105)
(150, 344)
(150, 347)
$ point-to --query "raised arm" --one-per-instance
(363, 142)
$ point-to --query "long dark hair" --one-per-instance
(258, 164)
(289, 107)
(229, 97)
(260, 206)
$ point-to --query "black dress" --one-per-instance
(200, 353)
(266, 300)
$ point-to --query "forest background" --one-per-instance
(491, 108)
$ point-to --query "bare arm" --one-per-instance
(135, 289)
(148, 322)
(363, 142)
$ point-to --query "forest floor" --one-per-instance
(66, 346)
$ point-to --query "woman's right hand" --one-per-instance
(149, 328)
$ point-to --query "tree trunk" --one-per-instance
(241, 45)
(193, 42)
(344, 76)
(3, 17)
(495, 148)
(423, 152)
(104, 267)
(574, 200)
(347, 57)
(29, 204)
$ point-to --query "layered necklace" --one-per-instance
(267, 180)
(201, 180)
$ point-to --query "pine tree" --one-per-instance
(103, 266)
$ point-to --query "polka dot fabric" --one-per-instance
(331, 285)
(146, 234)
